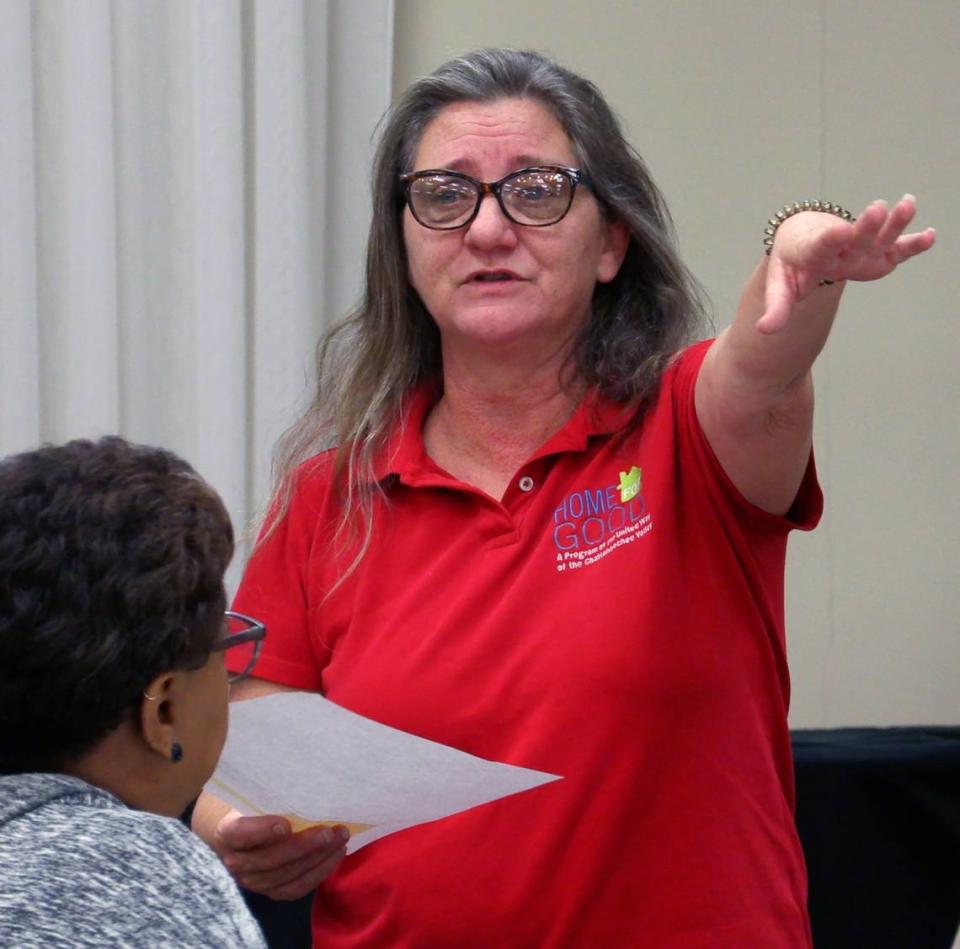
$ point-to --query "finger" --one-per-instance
(902, 214)
(309, 882)
(300, 876)
(773, 321)
(778, 300)
(866, 229)
(912, 244)
(314, 843)
(322, 842)
(237, 832)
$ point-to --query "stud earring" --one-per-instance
(176, 752)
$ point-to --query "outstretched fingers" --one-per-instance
(814, 249)
(877, 243)
(909, 245)
(867, 228)
(897, 220)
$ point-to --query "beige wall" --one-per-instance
(739, 107)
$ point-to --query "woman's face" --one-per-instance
(494, 283)
(203, 720)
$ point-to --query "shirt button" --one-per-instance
(525, 483)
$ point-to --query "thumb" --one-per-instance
(238, 832)
(779, 298)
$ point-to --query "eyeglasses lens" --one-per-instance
(443, 201)
(537, 198)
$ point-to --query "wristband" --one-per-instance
(788, 210)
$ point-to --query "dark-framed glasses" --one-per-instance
(243, 636)
(534, 197)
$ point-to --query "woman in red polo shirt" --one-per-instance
(552, 533)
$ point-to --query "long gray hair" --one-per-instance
(370, 361)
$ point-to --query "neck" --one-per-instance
(494, 414)
(124, 766)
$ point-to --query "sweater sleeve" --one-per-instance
(214, 914)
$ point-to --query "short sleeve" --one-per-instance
(807, 507)
(274, 590)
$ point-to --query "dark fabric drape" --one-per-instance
(878, 810)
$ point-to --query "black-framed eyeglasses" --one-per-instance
(538, 196)
(243, 637)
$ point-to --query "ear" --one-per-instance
(616, 240)
(157, 714)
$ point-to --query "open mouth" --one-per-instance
(498, 277)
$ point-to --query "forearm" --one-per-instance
(771, 366)
(207, 814)
(754, 394)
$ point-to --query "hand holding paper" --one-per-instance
(299, 755)
(264, 857)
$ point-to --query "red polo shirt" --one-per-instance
(617, 618)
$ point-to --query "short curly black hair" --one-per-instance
(112, 558)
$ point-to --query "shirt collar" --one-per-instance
(404, 454)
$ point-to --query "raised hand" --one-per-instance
(812, 247)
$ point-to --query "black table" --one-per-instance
(878, 810)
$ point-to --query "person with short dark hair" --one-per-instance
(113, 699)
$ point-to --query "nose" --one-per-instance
(491, 227)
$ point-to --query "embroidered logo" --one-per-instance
(591, 523)
(630, 484)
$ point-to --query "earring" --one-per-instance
(176, 752)
(149, 697)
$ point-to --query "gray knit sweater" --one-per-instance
(79, 868)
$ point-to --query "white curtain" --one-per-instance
(183, 206)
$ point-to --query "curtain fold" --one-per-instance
(19, 328)
(183, 207)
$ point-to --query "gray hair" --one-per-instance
(369, 362)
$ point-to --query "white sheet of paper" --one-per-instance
(302, 756)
